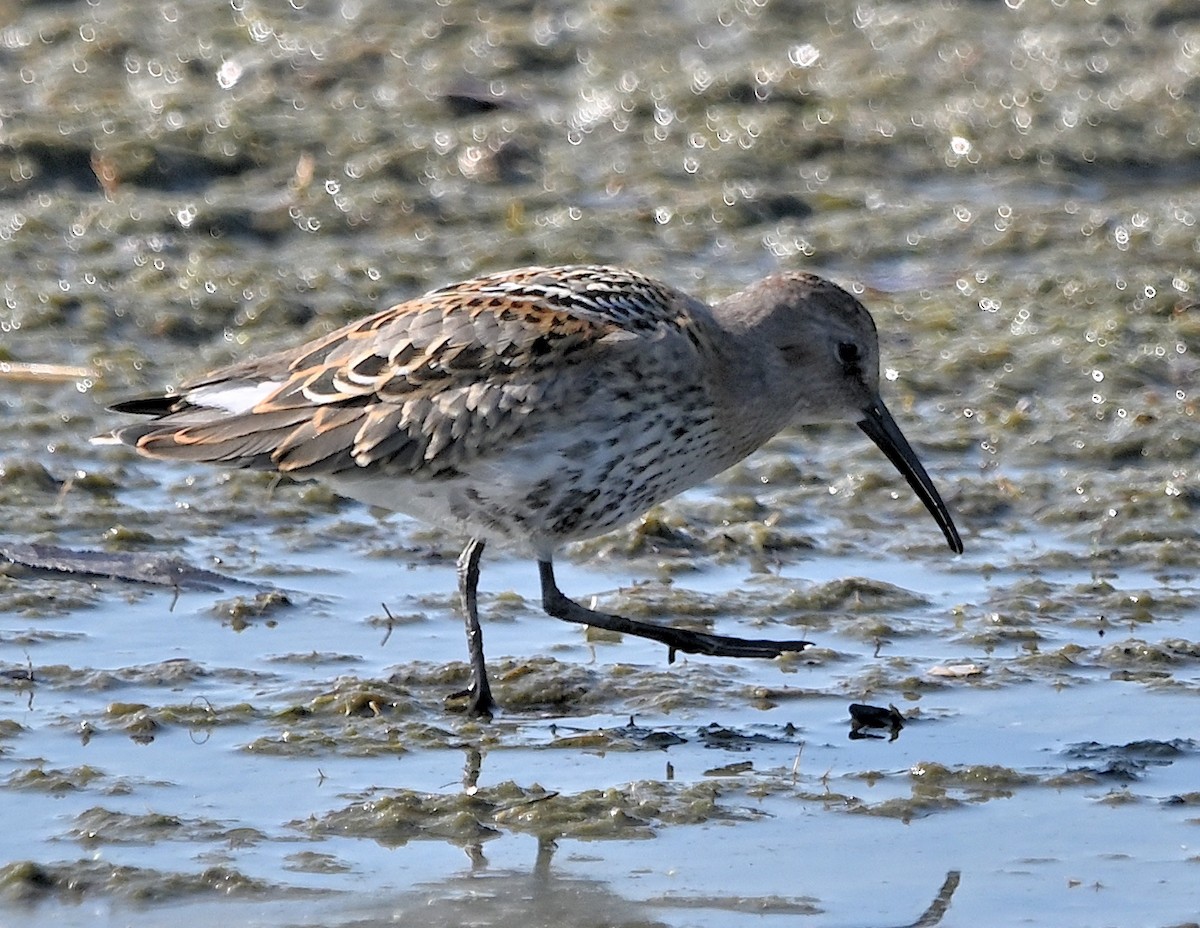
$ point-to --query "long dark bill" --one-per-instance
(881, 428)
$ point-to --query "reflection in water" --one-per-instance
(937, 909)
(504, 897)
(507, 897)
(540, 897)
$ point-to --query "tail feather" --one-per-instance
(147, 405)
(191, 433)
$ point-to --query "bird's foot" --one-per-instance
(676, 639)
(682, 639)
(480, 704)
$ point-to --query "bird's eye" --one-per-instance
(847, 354)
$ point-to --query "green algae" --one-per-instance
(1013, 186)
(26, 881)
(632, 811)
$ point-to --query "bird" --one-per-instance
(540, 406)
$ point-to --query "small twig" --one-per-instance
(390, 624)
(33, 372)
(796, 764)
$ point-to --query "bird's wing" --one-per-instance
(423, 386)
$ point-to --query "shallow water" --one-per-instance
(1012, 186)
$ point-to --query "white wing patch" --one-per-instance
(235, 400)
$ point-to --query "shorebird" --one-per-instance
(544, 405)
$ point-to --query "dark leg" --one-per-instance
(478, 693)
(676, 639)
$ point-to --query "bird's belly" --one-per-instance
(543, 494)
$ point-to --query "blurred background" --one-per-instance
(1012, 187)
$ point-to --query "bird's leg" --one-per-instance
(676, 639)
(478, 693)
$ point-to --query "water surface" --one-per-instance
(1011, 187)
